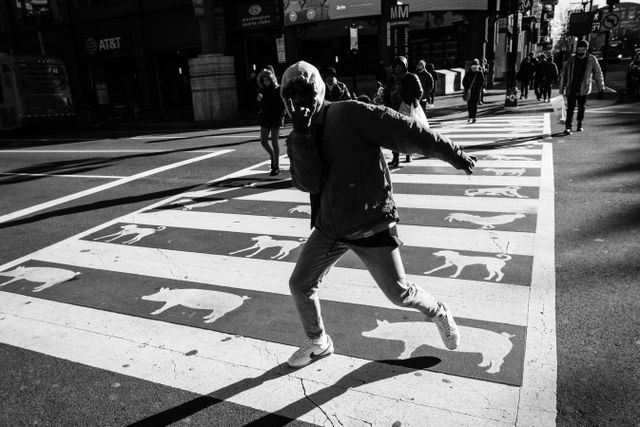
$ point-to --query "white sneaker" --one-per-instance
(447, 327)
(310, 352)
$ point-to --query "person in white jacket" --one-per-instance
(576, 83)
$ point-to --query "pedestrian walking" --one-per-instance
(336, 90)
(335, 154)
(270, 116)
(431, 69)
(534, 62)
(539, 76)
(473, 84)
(484, 67)
(426, 80)
(577, 73)
(524, 75)
(550, 77)
(403, 90)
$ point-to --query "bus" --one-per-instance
(34, 90)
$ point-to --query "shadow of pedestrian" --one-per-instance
(366, 374)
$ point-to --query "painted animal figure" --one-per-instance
(493, 347)
(506, 171)
(301, 208)
(487, 222)
(220, 303)
(131, 230)
(48, 276)
(452, 258)
(266, 242)
(503, 157)
(509, 191)
(191, 205)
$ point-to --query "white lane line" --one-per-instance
(350, 391)
(501, 302)
(419, 201)
(42, 206)
(533, 164)
(483, 136)
(161, 137)
(150, 150)
(537, 405)
(515, 150)
(62, 176)
(491, 241)
(524, 181)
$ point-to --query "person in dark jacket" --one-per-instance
(538, 78)
(524, 76)
(270, 116)
(484, 67)
(550, 76)
(426, 80)
(473, 84)
(431, 69)
(336, 157)
(402, 87)
(336, 90)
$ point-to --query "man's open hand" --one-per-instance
(301, 116)
(466, 162)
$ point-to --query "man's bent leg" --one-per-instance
(385, 265)
(318, 255)
(582, 102)
(571, 105)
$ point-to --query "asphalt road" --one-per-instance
(597, 263)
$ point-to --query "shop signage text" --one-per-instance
(108, 44)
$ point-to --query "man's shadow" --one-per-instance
(366, 374)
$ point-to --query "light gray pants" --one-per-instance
(320, 253)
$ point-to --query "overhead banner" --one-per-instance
(398, 30)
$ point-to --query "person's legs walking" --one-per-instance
(582, 103)
(571, 105)
(264, 141)
(318, 255)
(275, 144)
(385, 265)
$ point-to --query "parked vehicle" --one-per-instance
(34, 90)
(633, 74)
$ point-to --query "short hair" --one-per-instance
(583, 43)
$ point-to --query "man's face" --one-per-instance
(301, 95)
(581, 51)
(330, 80)
(398, 69)
(420, 67)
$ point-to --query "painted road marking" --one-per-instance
(527, 181)
(491, 241)
(249, 371)
(501, 302)
(63, 176)
(420, 201)
(149, 150)
(490, 403)
(42, 206)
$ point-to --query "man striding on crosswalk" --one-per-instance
(335, 154)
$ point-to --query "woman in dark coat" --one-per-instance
(402, 87)
(473, 83)
(270, 116)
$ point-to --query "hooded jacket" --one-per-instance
(341, 163)
(405, 89)
(270, 107)
(592, 69)
(426, 80)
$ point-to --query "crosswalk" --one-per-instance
(192, 292)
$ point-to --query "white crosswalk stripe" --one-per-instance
(353, 390)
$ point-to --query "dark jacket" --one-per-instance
(426, 81)
(271, 106)
(550, 71)
(473, 81)
(526, 71)
(346, 170)
(405, 89)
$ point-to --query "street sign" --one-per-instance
(580, 23)
(596, 23)
(353, 38)
(610, 21)
(280, 48)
